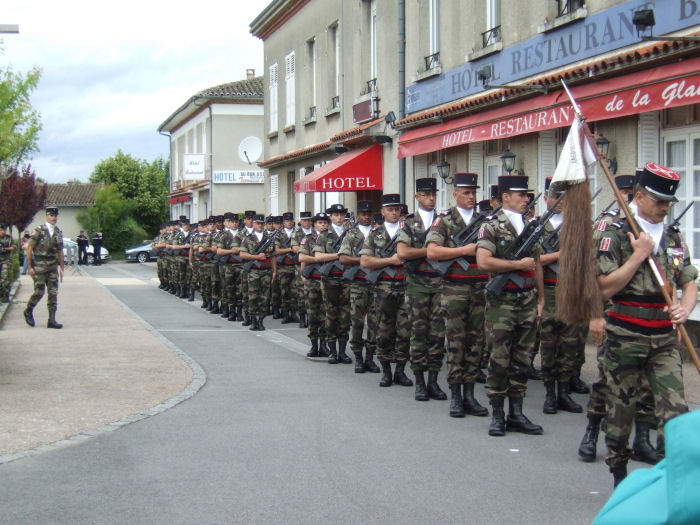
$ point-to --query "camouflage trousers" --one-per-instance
(160, 269)
(301, 300)
(361, 307)
(48, 280)
(464, 327)
(627, 356)
(243, 289)
(285, 278)
(170, 270)
(644, 406)
(227, 290)
(314, 298)
(236, 273)
(511, 326)
(5, 277)
(180, 264)
(427, 330)
(187, 282)
(393, 326)
(194, 282)
(214, 281)
(336, 298)
(205, 278)
(276, 292)
(558, 342)
(259, 282)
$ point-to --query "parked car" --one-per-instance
(70, 243)
(141, 253)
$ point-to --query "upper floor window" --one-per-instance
(373, 40)
(492, 35)
(564, 7)
(334, 47)
(311, 47)
(273, 96)
(289, 67)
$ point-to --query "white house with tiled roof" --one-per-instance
(70, 199)
(215, 142)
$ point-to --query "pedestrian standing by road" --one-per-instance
(46, 246)
(7, 248)
(82, 242)
(96, 248)
(25, 238)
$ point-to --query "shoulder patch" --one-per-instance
(601, 225)
(605, 244)
(401, 224)
(303, 241)
(436, 221)
(481, 231)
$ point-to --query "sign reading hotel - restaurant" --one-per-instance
(193, 166)
(239, 177)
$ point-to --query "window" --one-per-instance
(434, 24)
(564, 7)
(289, 83)
(681, 153)
(373, 41)
(335, 80)
(492, 35)
(311, 44)
(273, 97)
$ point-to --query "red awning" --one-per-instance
(181, 198)
(357, 170)
(676, 84)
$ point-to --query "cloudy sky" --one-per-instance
(112, 72)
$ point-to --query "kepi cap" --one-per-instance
(426, 184)
(466, 180)
(391, 199)
(659, 181)
(364, 206)
(512, 183)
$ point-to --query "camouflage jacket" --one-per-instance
(352, 244)
(179, 239)
(639, 305)
(445, 227)
(5, 242)
(251, 243)
(375, 244)
(283, 241)
(414, 235)
(225, 242)
(45, 248)
(324, 244)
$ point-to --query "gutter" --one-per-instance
(211, 152)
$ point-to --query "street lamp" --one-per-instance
(603, 145)
(508, 161)
(443, 169)
(643, 20)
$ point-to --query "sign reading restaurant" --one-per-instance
(598, 33)
(239, 177)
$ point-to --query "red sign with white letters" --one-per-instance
(359, 169)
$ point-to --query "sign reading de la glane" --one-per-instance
(598, 33)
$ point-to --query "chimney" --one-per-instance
(249, 74)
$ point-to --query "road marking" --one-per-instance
(119, 281)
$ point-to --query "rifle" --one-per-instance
(286, 245)
(465, 236)
(261, 247)
(335, 248)
(412, 265)
(677, 220)
(519, 248)
(373, 275)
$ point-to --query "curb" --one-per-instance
(199, 378)
(13, 291)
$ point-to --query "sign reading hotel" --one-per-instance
(193, 166)
(594, 35)
(239, 177)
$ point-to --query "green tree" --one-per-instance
(112, 216)
(146, 184)
(20, 123)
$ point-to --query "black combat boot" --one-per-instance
(239, 313)
(456, 402)
(303, 320)
(323, 348)
(161, 286)
(517, 421)
(359, 365)
(498, 423)
(564, 401)
(619, 473)
(386, 374)
(434, 390)
(342, 356)
(421, 392)
(191, 297)
(183, 293)
(332, 353)
(589, 443)
(28, 316)
(205, 302)
(287, 318)
(576, 385)
(550, 398)
(53, 324)
(400, 377)
(6, 298)
(471, 405)
(210, 305)
(642, 449)
(215, 309)
(232, 313)
(174, 290)
(247, 321)
(224, 310)
(261, 326)
(314, 348)
(254, 323)
(276, 312)
(481, 377)
(370, 365)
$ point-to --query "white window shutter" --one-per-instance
(420, 166)
(289, 83)
(547, 156)
(476, 158)
(273, 97)
(648, 138)
(274, 194)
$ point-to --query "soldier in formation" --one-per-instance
(7, 248)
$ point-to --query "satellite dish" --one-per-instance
(250, 149)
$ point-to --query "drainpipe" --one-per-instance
(211, 154)
(170, 164)
(402, 90)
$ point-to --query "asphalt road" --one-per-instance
(275, 438)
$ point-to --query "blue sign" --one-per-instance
(596, 34)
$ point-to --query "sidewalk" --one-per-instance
(103, 366)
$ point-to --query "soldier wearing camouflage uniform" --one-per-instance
(644, 418)
(180, 253)
(238, 241)
(393, 331)
(159, 246)
(335, 288)
(45, 266)
(511, 318)
(423, 294)
(463, 296)
(261, 274)
(361, 291)
(193, 259)
(300, 295)
(214, 266)
(640, 336)
(286, 268)
(206, 255)
(312, 287)
(229, 265)
(7, 248)
(276, 289)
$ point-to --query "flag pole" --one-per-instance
(661, 281)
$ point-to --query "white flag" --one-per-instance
(571, 168)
